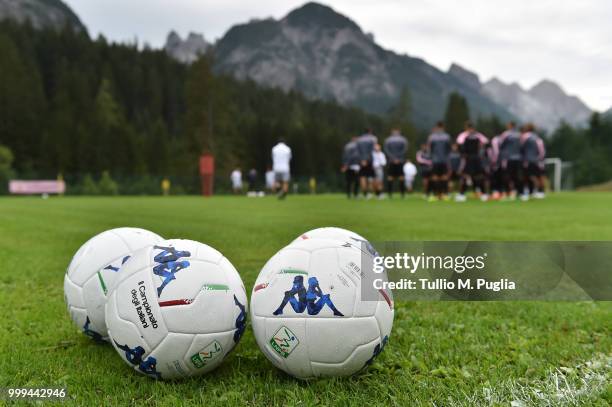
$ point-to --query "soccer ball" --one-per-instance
(332, 233)
(177, 310)
(92, 272)
(307, 312)
(335, 233)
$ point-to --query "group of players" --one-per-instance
(508, 166)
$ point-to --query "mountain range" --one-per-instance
(546, 103)
(326, 55)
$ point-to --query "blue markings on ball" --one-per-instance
(117, 268)
(91, 333)
(134, 356)
(169, 265)
(240, 321)
(377, 350)
(313, 300)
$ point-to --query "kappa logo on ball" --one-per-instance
(284, 341)
(211, 352)
(169, 265)
(313, 300)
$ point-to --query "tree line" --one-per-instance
(78, 107)
(116, 118)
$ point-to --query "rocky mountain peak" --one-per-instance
(468, 77)
(173, 39)
(494, 81)
(188, 50)
(319, 15)
(546, 89)
(40, 13)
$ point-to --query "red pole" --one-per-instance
(207, 173)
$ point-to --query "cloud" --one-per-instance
(522, 40)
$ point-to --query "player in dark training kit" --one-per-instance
(454, 162)
(396, 147)
(471, 144)
(350, 167)
(439, 145)
(365, 146)
(511, 160)
(423, 160)
(498, 187)
(534, 153)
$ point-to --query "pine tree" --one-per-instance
(88, 186)
(457, 113)
(400, 116)
(106, 185)
(490, 126)
(22, 104)
(201, 107)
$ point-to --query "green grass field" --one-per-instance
(441, 353)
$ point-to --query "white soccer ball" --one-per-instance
(92, 273)
(178, 309)
(308, 314)
(334, 233)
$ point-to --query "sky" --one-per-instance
(523, 41)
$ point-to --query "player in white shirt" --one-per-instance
(410, 172)
(236, 178)
(281, 156)
(379, 160)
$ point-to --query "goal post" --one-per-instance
(561, 173)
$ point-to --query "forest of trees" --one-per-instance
(79, 107)
(114, 118)
(589, 149)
